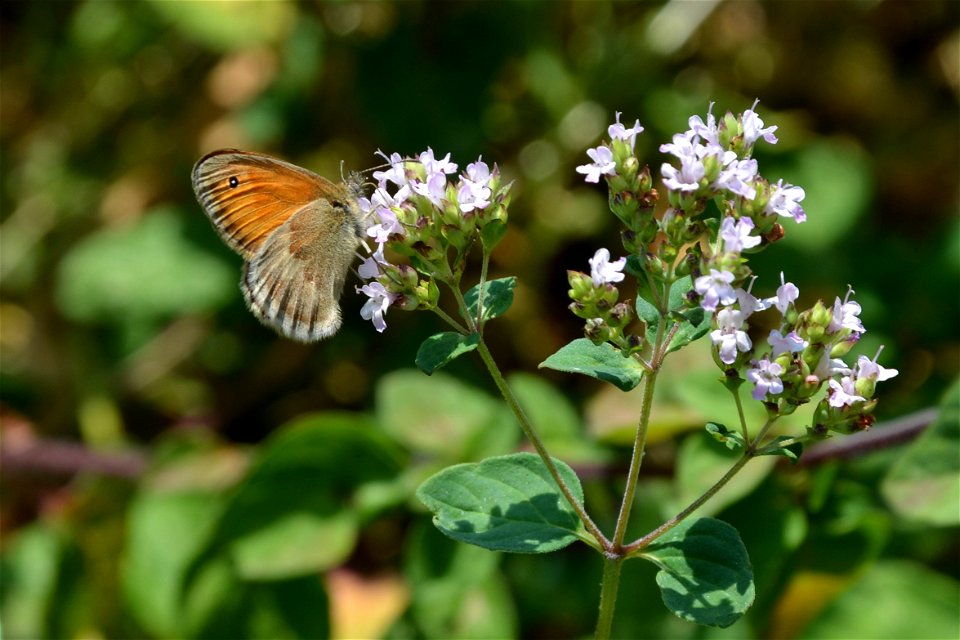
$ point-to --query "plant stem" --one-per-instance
(636, 459)
(639, 544)
(534, 439)
(453, 323)
(484, 265)
(608, 596)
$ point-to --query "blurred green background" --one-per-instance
(145, 412)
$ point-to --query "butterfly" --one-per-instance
(296, 231)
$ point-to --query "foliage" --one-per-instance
(272, 489)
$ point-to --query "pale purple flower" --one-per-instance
(690, 154)
(737, 176)
(715, 288)
(753, 128)
(478, 172)
(472, 195)
(618, 132)
(787, 292)
(828, 367)
(380, 205)
(603, 164)
(765, 375)
(434, 189)
(370, 268)
(730, 337)
(784, 200)
(736, 234)
(376, 307)
(869, 369)
(708, 130)
(843, 393)
(845, 314)
(434, 166)
(790, 343)
(602, 271)
(395, 174)
(748, 303)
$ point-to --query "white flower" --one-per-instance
(730, 337)
(753, 128)
(432, 166)
(845, 316)
(691, 155)
(380, 205)
(784, 200)
(737, 176)
(618, 132)
(602, 271)
(715, 288)
(603, 164)
(434, 189)
(765, 375)
(376, 307)
(736, 234)
(843, 393)
(748, 303)
(395, 174)
(370, 268)
(708, 130)
(828, 367)
(787, 292)
(472, 195)
(790, 343)
(869, 369)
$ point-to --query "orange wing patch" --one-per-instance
(248, 196)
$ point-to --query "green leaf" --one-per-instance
(705, 575)
(443, 417)
(508, 503)
(492, 233)
(288, 517)
(693, 321)
(165, 533)
(602, 362)
(791, 451)
(163, 273)
(732, 439)
(437, 350)
(457, 589)
(909, 601)
(497, 298)
(924, 484)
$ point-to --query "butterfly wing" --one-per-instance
(249, 195)
(294, 282)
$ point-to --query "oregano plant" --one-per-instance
(686, 257)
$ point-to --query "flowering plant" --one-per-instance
(689, 262)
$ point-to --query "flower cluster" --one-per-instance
(800, 356)
(713, 164)
(424, 211)
(595, 300)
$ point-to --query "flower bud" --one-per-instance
(620, 314)
(596, 330)
(580, 284)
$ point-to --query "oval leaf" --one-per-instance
(602, 362)
(497, 298)
(507, 503)
(705, 575)
(437, 350)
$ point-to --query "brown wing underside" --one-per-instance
(248, 196)
(294, 282)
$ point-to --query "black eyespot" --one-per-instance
(234, 182)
